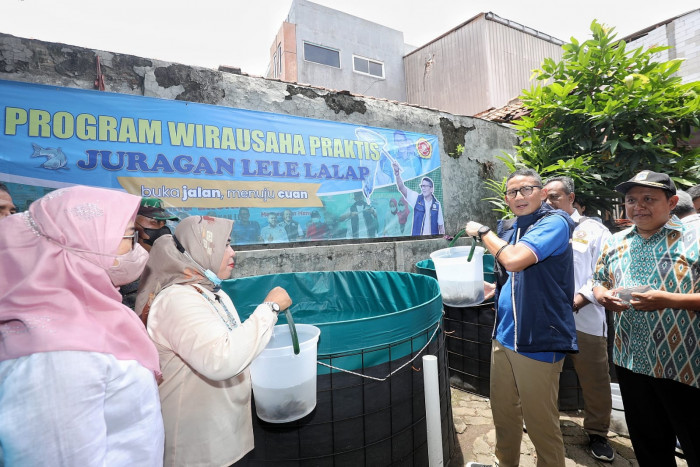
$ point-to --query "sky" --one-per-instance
(239, 33)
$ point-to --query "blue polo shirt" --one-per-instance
(548, 237)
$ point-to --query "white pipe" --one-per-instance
(432, 410)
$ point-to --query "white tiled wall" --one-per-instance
(684, 32)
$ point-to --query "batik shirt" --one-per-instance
(663, 343)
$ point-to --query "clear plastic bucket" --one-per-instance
(461, 281)
(284, 384)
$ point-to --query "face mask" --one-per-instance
(154, 234)
(208, 273)
(130, 266)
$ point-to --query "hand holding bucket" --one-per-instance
(279, 295)
(283, 376)
(459, 234)
(461, 280)
(284, 384)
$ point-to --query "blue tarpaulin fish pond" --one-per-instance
(356, 311)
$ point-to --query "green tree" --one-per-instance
(603, 113)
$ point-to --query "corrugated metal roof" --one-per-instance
(494, 17)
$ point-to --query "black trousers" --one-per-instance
(658, 410)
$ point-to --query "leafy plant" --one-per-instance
(602, 114)
(576, 168)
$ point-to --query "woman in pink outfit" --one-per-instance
(77, 368)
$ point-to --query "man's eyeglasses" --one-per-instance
(524, 190)
(134, 238)
(426, 186)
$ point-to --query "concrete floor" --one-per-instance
(476, 437)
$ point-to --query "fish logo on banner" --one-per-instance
(55, 159)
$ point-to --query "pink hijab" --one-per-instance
(53, 298)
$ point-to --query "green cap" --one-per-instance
(153, 208)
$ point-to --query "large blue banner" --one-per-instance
(281, 178)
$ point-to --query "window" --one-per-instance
(278, 62)
(322, 55)
(366, 66)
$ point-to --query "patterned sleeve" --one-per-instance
(601, 274)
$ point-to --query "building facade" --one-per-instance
(484, 63)
(328, 48)
(682, 34)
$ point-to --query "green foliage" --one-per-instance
(577, 168)
(602, 114)
(459, 150)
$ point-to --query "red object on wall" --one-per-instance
(100, 80)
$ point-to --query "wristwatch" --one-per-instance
(273, 306)
(483, 230)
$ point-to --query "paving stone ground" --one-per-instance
(476, 437)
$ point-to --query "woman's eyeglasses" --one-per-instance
(524, 190)
(134, 238)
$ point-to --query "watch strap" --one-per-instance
(483, 230)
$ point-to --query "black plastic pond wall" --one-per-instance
(374, 324)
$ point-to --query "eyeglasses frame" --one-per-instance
(530, 188)
(134, 238)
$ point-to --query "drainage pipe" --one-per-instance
(432, 410)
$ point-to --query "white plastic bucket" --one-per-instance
(284, 384)
(461, 281)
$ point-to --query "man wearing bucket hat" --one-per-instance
(534, 320)
(656, 352)
(150, 225)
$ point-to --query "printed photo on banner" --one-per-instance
(281, 178)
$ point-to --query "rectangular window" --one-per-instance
(366, 66)
(278, 61)
(322, 55)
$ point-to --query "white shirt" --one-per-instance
(691, 219)
(587, 242)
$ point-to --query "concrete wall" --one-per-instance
(350, 35)
(463, 174)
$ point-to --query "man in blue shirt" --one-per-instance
(534, 320)
(244, 230)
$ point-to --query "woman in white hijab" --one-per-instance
(203, 346)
